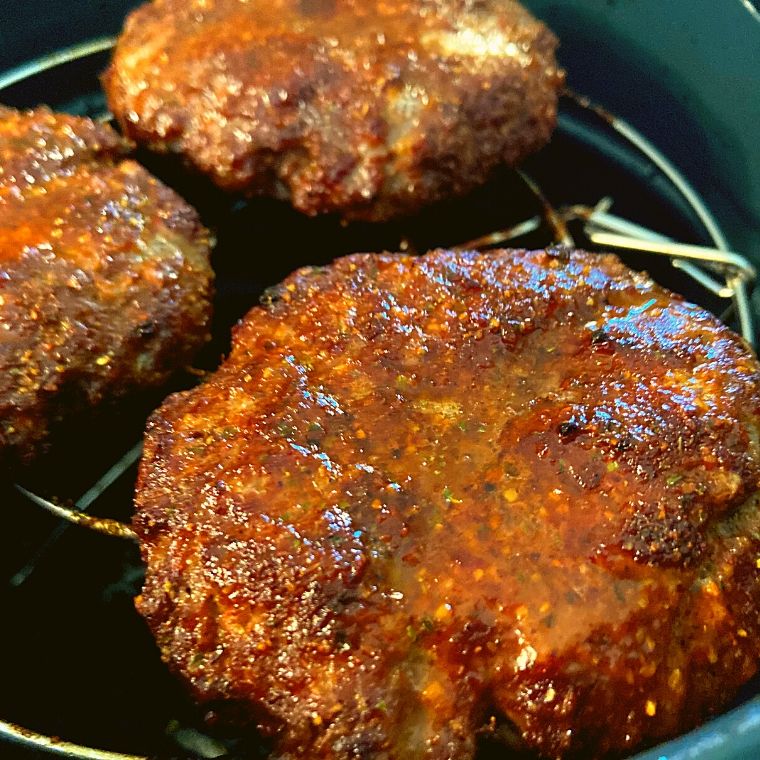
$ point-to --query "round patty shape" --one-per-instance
(104, 276)
(424, 497)
(368, 108)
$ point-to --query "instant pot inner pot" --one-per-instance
(79, 662)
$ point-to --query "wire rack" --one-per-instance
(717, 269)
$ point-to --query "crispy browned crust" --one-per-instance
(368, 108)
(425, 491)
(104, 276)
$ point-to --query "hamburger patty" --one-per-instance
(426, 497)
(104, 276)
(367, 108)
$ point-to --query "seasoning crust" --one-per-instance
(366, 108)
(427, 498)
(104, 276)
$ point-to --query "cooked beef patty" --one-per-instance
(104, 276)
(426, 497)
(368, 108)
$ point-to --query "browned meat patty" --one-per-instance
(425, 495)
(104, 276)
(367, 108)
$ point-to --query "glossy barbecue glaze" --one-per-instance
(104, 275)
(366, 108)
(425, 493)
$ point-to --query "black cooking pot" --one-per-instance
(77, 660)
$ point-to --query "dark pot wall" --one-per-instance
(687, 75)
(30, 28)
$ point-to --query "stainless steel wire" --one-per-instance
(55, 746)
(77, 517)
(51, 61)
(81, 506)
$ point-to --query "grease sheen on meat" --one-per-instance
(367, 108)
(422, 493)
(104, 276)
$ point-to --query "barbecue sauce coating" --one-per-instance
(367, 108)
(104, 276)
(424, 495)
